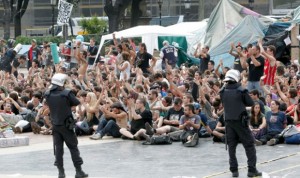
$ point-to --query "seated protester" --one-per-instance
(190, 124)
(203, 122)
(154, 102)
(36, 100)
(276, 122)
(293, 111)
(91, 110)
(219, 131)
(254, 94)
(165, 105)
(206, 106)
(113, 122)
(257, 121)
(138, 116)
(8, 115)
(171, 122)
(176, 133)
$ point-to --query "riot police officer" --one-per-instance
(60, 102)
(235, 99)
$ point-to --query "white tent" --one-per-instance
(148, 33)
(197, 29)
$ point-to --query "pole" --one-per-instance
(52, 20)
(160, 14)
(201, 10)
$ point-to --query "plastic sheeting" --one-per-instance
(226, 15)
(248, 31)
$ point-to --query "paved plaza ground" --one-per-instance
(117, 158)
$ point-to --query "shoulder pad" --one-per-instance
(222, 89)
(65, 92)
(243, 90)
(47, 93)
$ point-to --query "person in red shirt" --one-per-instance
(34, 53)
(270, 63)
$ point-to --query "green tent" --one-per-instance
(183, 57)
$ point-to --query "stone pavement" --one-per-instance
(117, 158)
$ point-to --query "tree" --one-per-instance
(136, 13)
(21, 7)
(115, 12)
(6, 18)
(94, 25)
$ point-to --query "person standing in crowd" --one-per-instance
(270, 63)
(143, 58)
(63, 124)
(168, 54)
(239, 53)
(235, 99)
(91, 53)
(204, 57)
(256, 63)
(34, 53)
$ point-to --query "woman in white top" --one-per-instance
(124, 66)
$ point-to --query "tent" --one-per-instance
(197, 29)
(226, 15)
(148, 33)
(248, 31)
(295, 15)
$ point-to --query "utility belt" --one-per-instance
(243, 118)
(70, 123)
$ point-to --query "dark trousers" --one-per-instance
(236, 132)
(60, 135)
(29, 64)
(108, 127)
(270, 135)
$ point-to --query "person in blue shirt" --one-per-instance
(276, 122)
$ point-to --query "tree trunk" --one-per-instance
(115, 13)
(21, 9)
(136, 13)
(70, 21)
(6, 18)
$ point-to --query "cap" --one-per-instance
(196, 106)
(59, 79)
(68, 43)
(33, 40)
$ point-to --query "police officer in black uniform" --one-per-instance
(60, 102)
(235, 99)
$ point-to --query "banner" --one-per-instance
(54, 53)
(64, 12)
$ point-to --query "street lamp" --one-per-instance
(159, 2)
(187, 6)
(53, 4)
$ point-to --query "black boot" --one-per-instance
(61, 173)
(80, 173)
(254, 173)
(235, 174)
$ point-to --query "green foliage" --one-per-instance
(27, 40)
(39, 40)
(94, 25)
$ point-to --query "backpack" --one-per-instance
(159, 140)
(289, 131)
